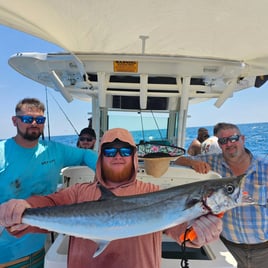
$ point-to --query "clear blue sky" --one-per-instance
(247, 106)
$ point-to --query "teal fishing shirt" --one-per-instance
(245, 224)
(26, 172)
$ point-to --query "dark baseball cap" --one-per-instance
(88, 131)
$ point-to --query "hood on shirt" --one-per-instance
(112, 135)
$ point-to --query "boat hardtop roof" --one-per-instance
(226, 29)
(144, 55)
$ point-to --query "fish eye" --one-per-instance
(230, 188)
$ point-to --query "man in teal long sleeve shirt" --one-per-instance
(32, 167)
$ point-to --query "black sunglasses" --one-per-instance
(232, 139)
(28, 119)
(85, 139)
(123, 151)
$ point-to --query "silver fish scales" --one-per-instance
(113, 217)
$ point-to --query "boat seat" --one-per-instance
(76, 174)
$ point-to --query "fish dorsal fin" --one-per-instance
(106, 193)
(102, 245)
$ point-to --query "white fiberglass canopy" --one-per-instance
(227, 29)
(180, 51)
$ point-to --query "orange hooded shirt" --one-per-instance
(141, 251)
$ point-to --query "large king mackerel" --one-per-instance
(113, 217)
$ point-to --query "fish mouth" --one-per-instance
(206, 207)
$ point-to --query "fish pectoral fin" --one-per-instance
(102, 244)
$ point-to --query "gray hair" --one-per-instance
(222, 126)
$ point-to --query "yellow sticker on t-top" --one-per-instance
(126, 66)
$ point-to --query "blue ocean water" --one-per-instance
(256, 137)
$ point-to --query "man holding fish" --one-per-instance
(115, 241)
(245, 229)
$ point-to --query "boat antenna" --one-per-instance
(65, 114)
(48, 122)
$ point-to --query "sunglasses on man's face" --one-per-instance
(28, 119)
(232, 139)
(123, 151)
(85, 139)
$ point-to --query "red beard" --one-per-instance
(116, 173)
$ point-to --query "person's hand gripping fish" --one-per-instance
(202, 230)
(13, 211)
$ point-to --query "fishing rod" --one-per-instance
(48, 121)
(66, 116)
